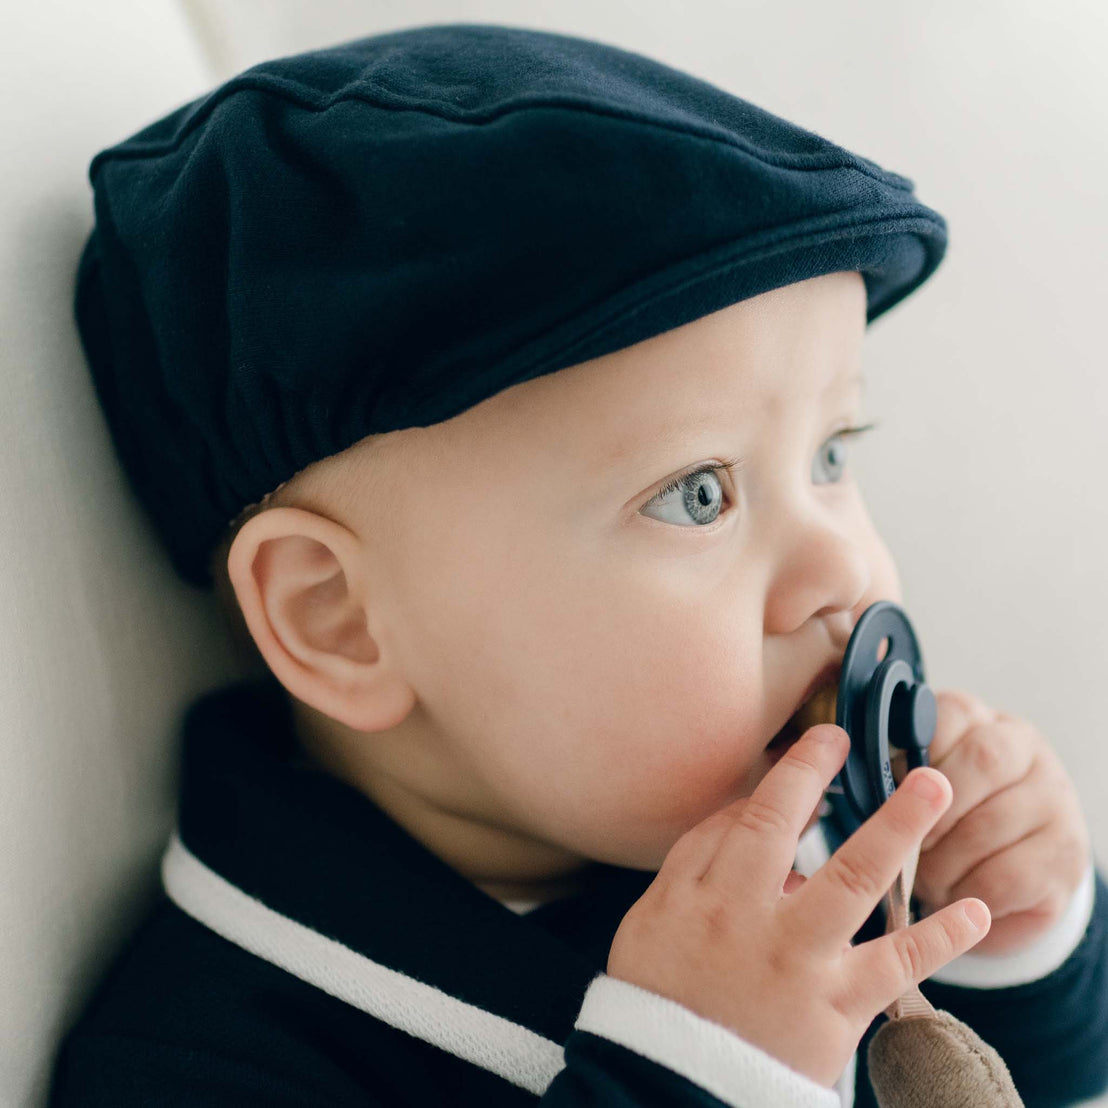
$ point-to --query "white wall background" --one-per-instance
(986, 475)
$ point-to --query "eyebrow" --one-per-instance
(674, 434)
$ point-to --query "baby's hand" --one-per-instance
(718, 932)
(1015, 835)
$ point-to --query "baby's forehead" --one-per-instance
(797, 340)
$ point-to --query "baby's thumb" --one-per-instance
(793, 882)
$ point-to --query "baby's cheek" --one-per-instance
(622, 785)
(674, 794)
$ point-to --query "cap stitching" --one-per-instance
(835, 158)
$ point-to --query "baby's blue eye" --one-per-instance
(833, 452)
(697, 496)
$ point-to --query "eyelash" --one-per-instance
(677, 482)
(732, 463)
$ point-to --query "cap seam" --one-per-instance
(836, 158)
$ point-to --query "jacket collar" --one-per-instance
(302, 868)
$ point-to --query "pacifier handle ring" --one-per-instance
(882, 702)
(897, 704)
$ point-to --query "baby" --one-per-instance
(502, 384)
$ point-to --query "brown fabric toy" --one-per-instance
(937, 1062)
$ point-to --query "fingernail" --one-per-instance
(923, 784)
(976, 913)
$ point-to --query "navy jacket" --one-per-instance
(310, 952)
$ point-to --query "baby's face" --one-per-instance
(597, 667)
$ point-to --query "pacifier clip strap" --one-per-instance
(898, 914)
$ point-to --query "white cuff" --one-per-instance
(706, 1053)
(1044, 956)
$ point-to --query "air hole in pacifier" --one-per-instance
(900, 715)
(883, 648)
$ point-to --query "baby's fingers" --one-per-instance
(758, 843)
(883, 969)
(840, 897)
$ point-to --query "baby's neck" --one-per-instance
(531, 892)
(503, 862)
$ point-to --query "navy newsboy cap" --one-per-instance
(383, 233)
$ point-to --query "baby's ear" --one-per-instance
(300, 582)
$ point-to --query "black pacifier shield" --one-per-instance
(882, 704)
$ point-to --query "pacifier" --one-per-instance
(883, 703)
